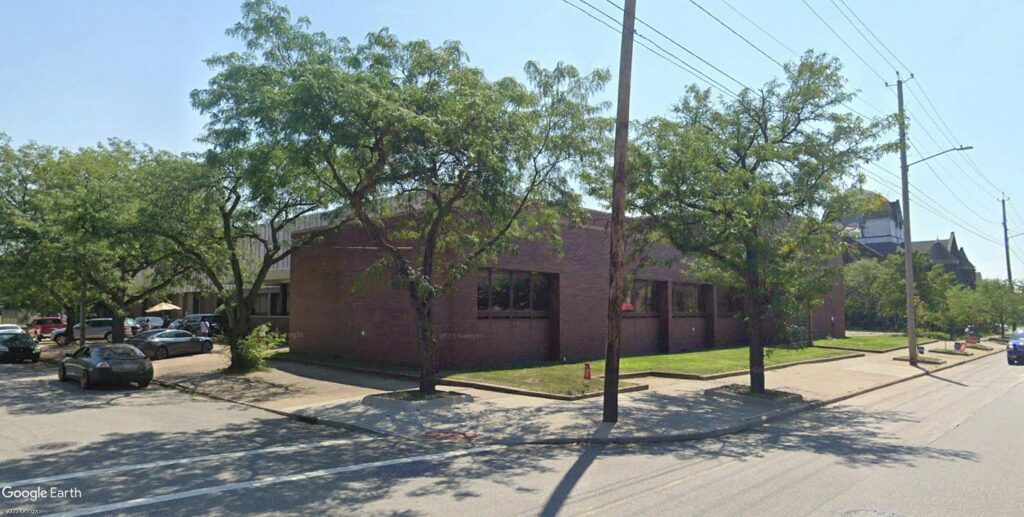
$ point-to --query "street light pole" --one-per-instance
(908, 255)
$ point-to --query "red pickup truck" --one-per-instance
(44, 326)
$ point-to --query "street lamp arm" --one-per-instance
(961, 148)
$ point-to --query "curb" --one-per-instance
(742, 426)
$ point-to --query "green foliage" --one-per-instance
(428, 155)
(756, 186)
(254, 349)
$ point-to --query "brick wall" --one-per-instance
(337, 311)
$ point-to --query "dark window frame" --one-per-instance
(511, 312)
(651, 309)
(699, 295)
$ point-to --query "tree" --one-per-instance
(1002, 305)
(442, 168)
(756, 186)
(98, 205)
(237, 209)
(36, 272)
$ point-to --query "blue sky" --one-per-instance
(76, 72)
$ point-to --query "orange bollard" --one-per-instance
(586, 371)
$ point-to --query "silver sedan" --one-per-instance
(163, 343)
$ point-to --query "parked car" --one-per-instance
(45, 325)
(11, 328)
(1015, 348)
(18, 346)
(163, 343)
(132, 326)
(191, 323)
(96, 364)
(154, 322)
(98, 328)
(61, 336)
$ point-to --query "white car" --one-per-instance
(10, 328)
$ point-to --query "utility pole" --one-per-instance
(1006, 244)
(618, 222)
(908, 255)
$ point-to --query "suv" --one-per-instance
(1015, 348)
(98, 328)
(44, 326)
(191, 323)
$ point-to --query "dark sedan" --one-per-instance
(18, 346)
(97, 364)
(163, 343)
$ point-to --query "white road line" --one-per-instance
(145, 501)
(164, 463)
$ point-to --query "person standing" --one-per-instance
(204, 328)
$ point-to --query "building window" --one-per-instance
(730, 302)
(688, 301)
(642, 299)
(514, 294)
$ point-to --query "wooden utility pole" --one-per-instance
(618, 222)
(1006, 244)
(908, 254)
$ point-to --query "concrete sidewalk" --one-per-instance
(673, 409)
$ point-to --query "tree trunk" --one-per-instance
(752, 306)
(427, 345)
(239, 320)
(117, 326)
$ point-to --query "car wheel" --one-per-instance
(143, 384)
(161, 353)
(83, 380)
(61, 374)
(207, 347)
(109, 337)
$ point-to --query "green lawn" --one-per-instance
(874, 343)
(568, 378)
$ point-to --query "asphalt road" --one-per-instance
(939, 445)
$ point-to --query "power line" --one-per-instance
(777, 62)
(766, 33)
(836, 34)
(674, 42)
(681, 64)
(870, 44)
(738, 35)
(926, 202)
(879, 40)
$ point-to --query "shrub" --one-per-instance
(258, 345)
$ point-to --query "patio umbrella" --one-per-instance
(163, 307)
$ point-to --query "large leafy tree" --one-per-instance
(36, 272)
(95, 202)
(237, 210)
(756, 186)
(440, 166)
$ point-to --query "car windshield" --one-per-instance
(129, 321)
(120, 352)
(1018, 335)
(15, 339)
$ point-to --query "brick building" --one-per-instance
(538, 305)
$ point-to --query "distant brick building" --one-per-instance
(537, 305)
